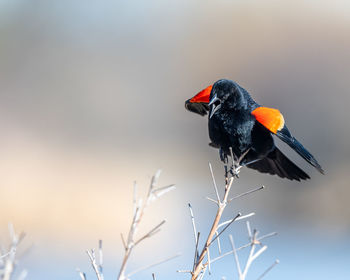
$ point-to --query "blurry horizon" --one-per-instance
(92, 98)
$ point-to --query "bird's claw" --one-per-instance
(235, 166)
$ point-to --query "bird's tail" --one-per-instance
(276, 163)
(299, 148)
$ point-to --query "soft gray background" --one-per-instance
(91, 98)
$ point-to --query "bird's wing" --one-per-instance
(277, 163)
(199, 103)
(273, 120)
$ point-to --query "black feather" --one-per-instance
(286, 136)
(276, 163)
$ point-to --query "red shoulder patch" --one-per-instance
(271, 118)
(202, 96)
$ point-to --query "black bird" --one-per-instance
(236, 121)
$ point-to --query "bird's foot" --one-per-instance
(234, 170)
(236, 165)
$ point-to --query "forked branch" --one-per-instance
(200, 265)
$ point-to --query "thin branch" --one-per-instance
(251, 254)
(209, 266)
(218, 241)
(238, 219)
(100, 257)
(184, 271)
(193, 224)
(212, 200)
(139, 210)
(199, 267)
(268, 269)
(257, 254)
(214, 182)
(246, 193)
(5, 255)
(196, 250)
(266, 236)
(161, 190)
(92, 257)
(152, 265)
(9, 261)
(235, 255)
(234, 219)
(242, 247)
(152, 232)
(123, 241)
(81, 274)
(249, 231)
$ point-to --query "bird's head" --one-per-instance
(224, 94)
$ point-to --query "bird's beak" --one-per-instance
(215, 107)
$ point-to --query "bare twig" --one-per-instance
(212, 200)
(9, 260)
(235, 255)
(228, 224)
(209, 266)
(81, 274)
(219, 243)
(246, 193)
(249, 232)
(200, 265)
(184, 271)
(152, 232)
(266, 236)
(100, 257)
(238, 219)
(242, 247)
(193, 224)
(196, 250)
(123, 241)
(152, 265)
(252, 253)
(214, 182)
(92, 256)
(268, 269)
(139, 210)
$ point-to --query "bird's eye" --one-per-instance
(217, 102)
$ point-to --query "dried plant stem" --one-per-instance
(152, 265)
(130, 242)
(9, 260)
(94, 264)
(253, 254)
(199, 265)
(139, 210)
(269, 269)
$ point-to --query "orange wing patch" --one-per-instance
(203, 96)
(271, 118)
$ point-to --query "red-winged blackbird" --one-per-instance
(236, 121)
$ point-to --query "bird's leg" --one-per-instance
(237, 162)
(222, 155)
(233, 167)
(224, 159)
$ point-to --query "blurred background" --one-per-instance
(92, 98)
